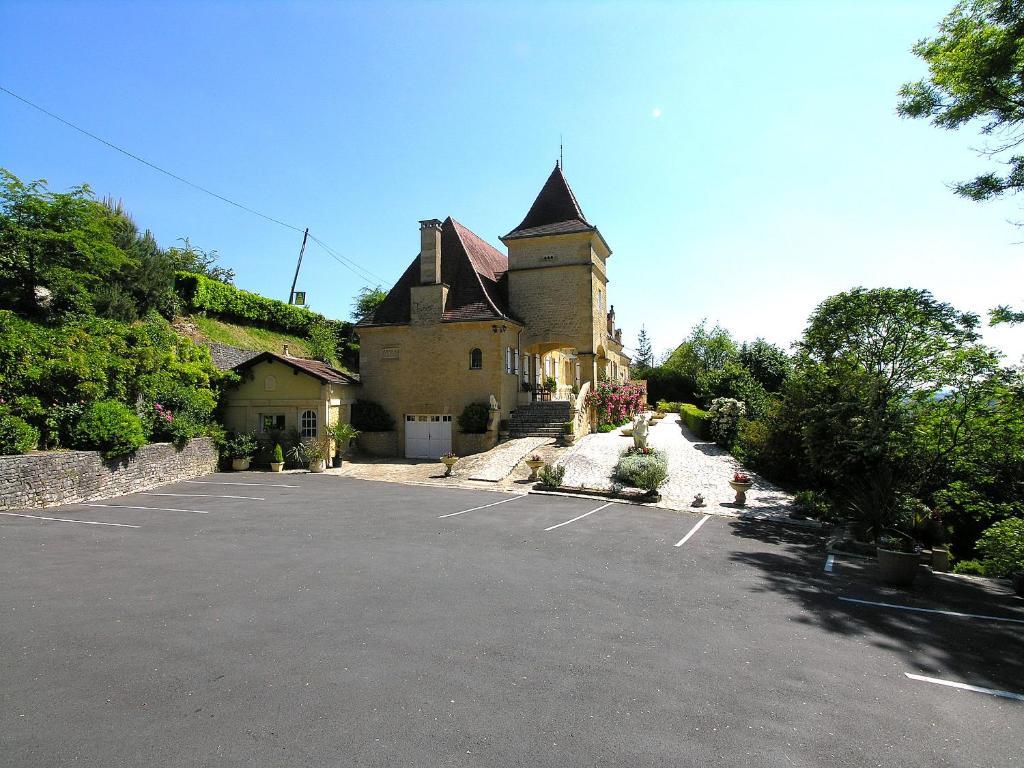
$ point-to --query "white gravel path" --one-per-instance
(497, 463)
(694, 466)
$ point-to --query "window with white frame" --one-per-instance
(526, 368)
(510, 358)
(271, 422)
(307, 424)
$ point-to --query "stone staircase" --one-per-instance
(540, 419)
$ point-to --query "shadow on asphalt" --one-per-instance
(985, 653)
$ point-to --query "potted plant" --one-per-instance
(550, 385)
(241, 448)
(278, 463)
(898, 558)
(449, 460)
(535, 462)
(342, 435)
(313, 454)
(741, 483)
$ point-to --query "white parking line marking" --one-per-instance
(202, 495)
(693, 530)
(829, 562)
(966, 687)
(218, 482)
(155, 509)
(67, 520)
(474, 509)
(933, 610)
(580, 517)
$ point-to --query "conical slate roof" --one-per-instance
(554, 212)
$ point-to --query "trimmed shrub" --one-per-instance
(695, 419)
(605, 427)
(1002, 548)
(370, 416)
(474, 417)
(647, 470)
(16, 434)
(551, 475)
(969, 568)
(278, 454)
(111, 428)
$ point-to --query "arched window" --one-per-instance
(476, 359)
(307, 424)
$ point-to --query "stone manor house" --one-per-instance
(465, 323)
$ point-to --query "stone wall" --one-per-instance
(43, 479)
(378, 443)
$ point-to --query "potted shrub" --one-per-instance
(449, 460)
(899, 558)
(535, 462)
(278, 463)
(313, 454)
(241, 448)
(342, 435)
(551, 475)
(741, 483)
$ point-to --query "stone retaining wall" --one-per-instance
(43, 479)
(378, 443)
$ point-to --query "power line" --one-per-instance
(352, 266)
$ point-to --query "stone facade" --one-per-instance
(62, 477)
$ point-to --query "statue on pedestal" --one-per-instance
(640, 432)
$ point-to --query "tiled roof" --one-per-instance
(555, 211)
(315, 368)
(474, 272)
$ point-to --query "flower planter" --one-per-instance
(317, 466)
(276, 466)
(534, 467)
(449, 462)
(898, 569)
(240, 465)
(741, 491)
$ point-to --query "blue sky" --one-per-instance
(743, 159)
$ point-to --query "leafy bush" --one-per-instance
(695, 419)
(474, 417)
(813, 504)
(642, 469)
(616, 403)
(201, 294)
(551, 475)
(969, 568)
(16, 434)
(725, 415)
(111, 428)
(242, 446)
(369, 416)
(1002, 548)
(605, 427)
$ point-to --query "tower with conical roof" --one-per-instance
(557, 278)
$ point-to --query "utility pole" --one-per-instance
(302, 250)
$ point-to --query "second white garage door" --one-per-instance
(427, 436)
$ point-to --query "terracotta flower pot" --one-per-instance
(317, 466)
(898, 569)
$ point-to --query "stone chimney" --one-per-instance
(430, 252)
(611, 320)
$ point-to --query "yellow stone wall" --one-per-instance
(273, 387)
(431, 374)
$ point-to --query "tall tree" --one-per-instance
(366, 301)
(644, 352)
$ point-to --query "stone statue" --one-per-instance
(494, 404)
(640, 432)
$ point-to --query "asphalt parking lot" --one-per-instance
(251, 619)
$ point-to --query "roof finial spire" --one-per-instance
(561, 159)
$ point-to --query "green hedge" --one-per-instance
(695, 419)
(201, 294)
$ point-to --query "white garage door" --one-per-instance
(427, 436)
